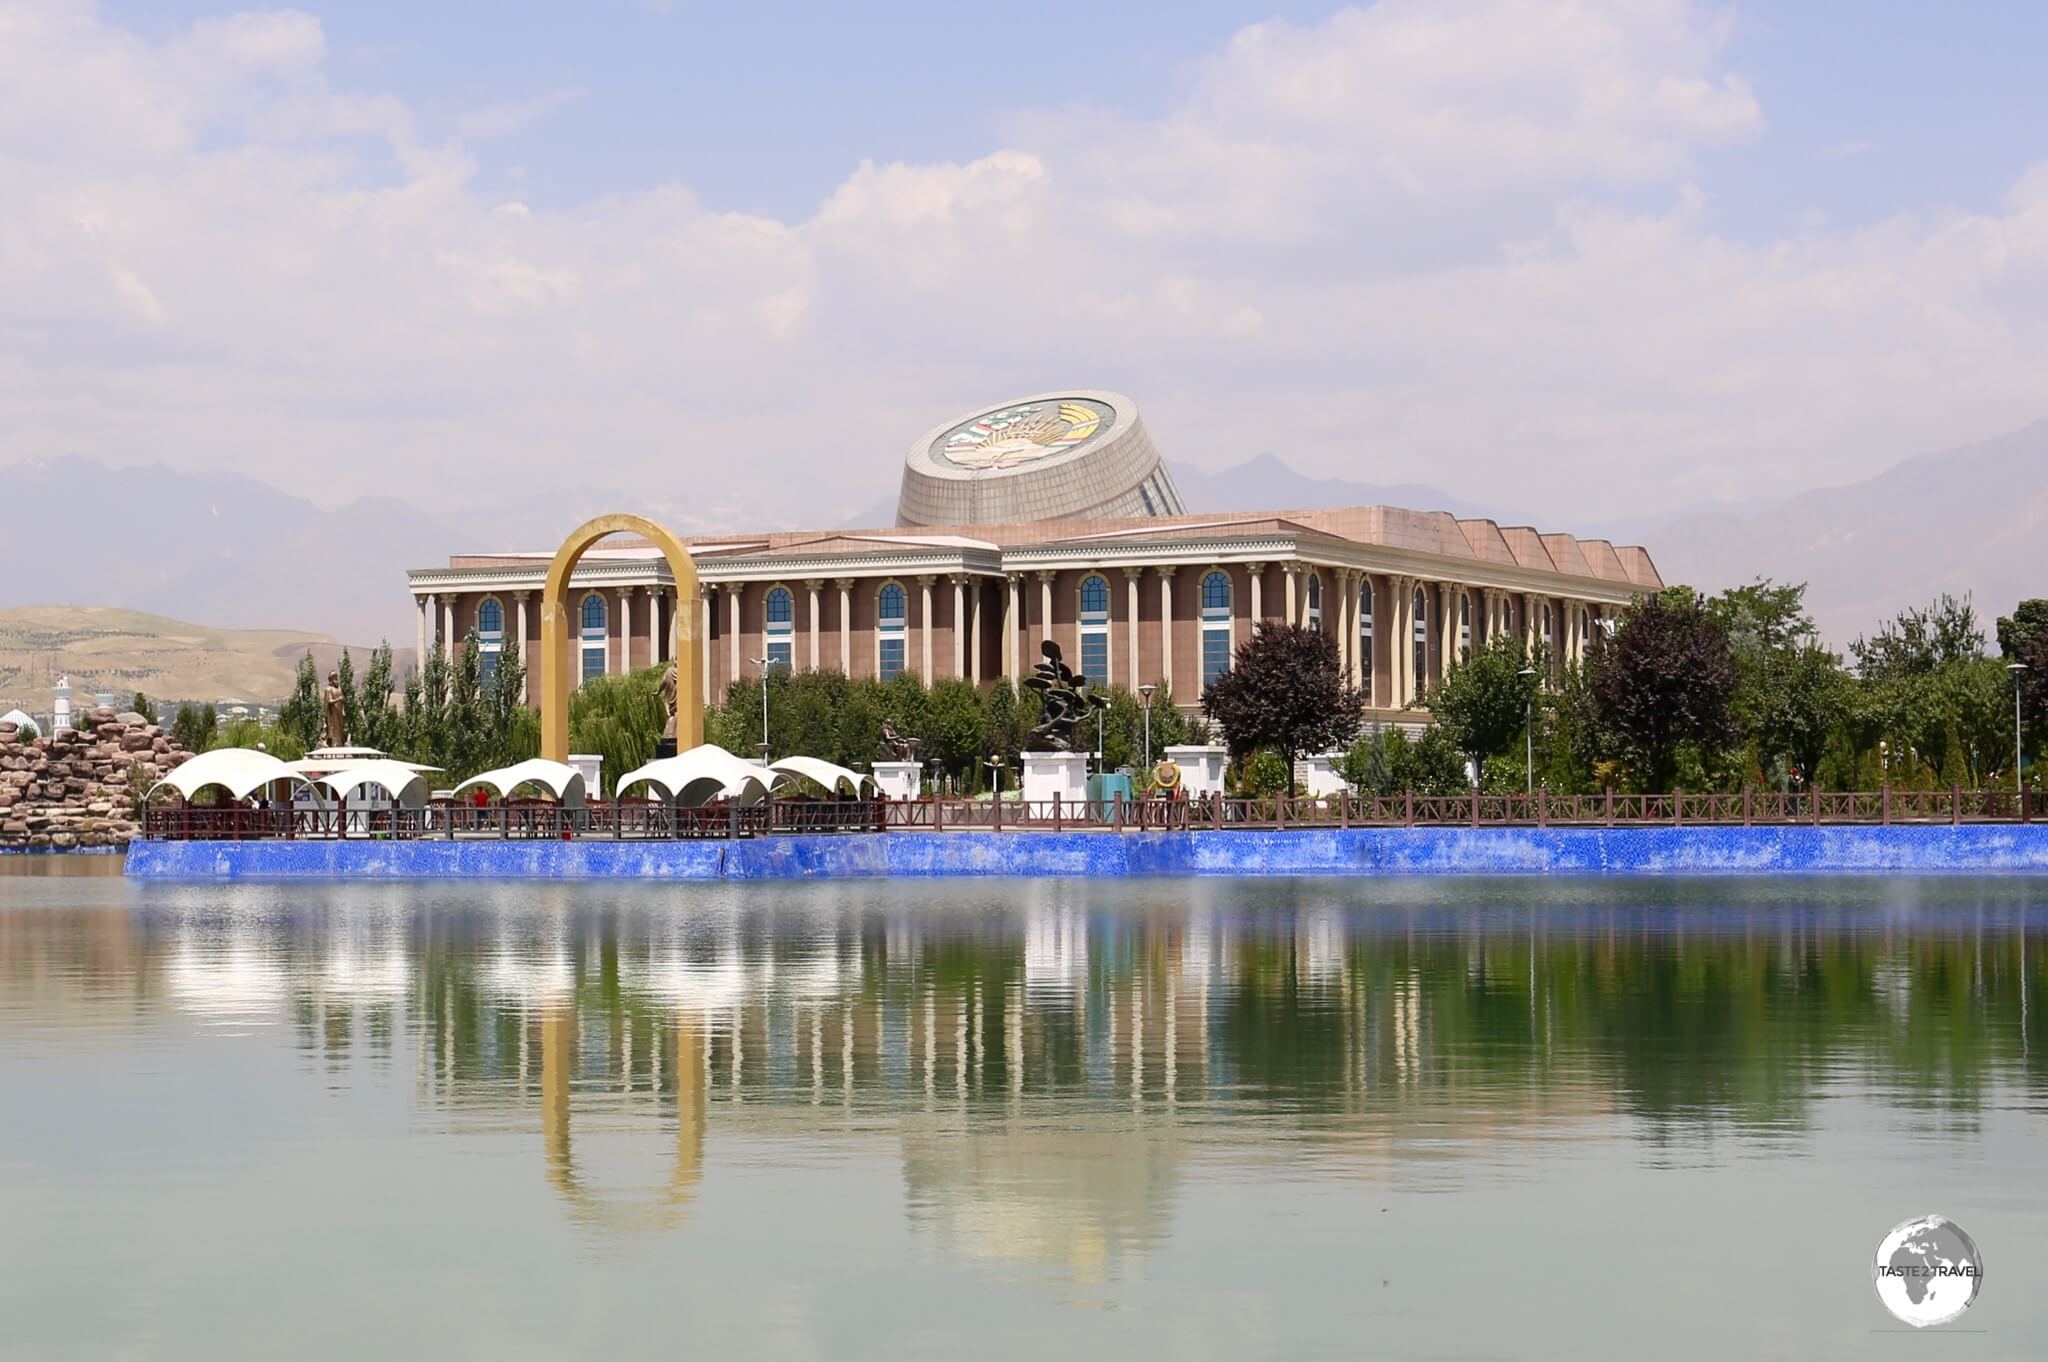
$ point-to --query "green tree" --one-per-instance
(956, 721)
(1483, 703)
(351, 703)
(619, 718)
(467, 733)
(141, 705)
(1284, 691)
(194, 727)
(2017, 632)
(301, 715)
(373, 702)
(1666, 676)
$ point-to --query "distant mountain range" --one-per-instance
(241, 554)
(125, 651)
(1972, 519)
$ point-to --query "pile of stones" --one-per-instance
(81, 787)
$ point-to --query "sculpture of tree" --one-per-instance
(1066, 698)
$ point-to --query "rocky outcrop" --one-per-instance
(81, 787)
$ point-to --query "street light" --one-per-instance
(762, 663)
(995, 766)
(2016, 668)
(1145, 692)
(1529, 728)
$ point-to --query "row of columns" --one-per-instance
(1395, 679)
(436, 623)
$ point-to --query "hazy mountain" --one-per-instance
(1266, 483)
(1973, 519)
(124, 651)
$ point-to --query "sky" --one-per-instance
(1570, 259)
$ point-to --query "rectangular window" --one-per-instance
(781, 653)
(1095, 657)
(593, 663)
(892, 656)
(490, 663)
(1215, 655)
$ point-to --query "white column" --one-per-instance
(959, 625)
(1166, 625)
(845, 585)
(732, 595)
(424, 608)
(653, 594)
(1347, 632)
(974, 633)
(625, 630)
(1045, 609)
(525, 658)
(448, 628)
(1011, 605)
(1447, 605)
(813, 586)
(704, 607)
(1258, 573)
(1292, 572)
(1131, 624)
(924, 624)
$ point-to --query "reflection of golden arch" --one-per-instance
(555, 672)
(557, 1065)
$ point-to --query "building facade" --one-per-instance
(1150, 598)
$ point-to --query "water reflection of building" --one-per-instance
(1050, 1074)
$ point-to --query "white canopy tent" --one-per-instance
(832, 777)
(241, 771)
(406, 786)
(703, 774)
(558, 778)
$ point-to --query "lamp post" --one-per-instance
(1145, 693)
(995, 766)
(2017, 756)
(762, 663)
(1529, 731)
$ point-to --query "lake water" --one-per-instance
(970, 1119)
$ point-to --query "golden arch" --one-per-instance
(555, 673)
(668, 1208)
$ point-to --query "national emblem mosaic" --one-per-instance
(1023, 434)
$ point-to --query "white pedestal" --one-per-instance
(898, 779)
(591, 764)
(1056, 773)
(1201, 768)
(1318, 776)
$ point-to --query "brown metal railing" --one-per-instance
(652, 819)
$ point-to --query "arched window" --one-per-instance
(1215, 627)
(1464, 625)
(490, 635)
(1365, 637)
(595, 642)
(1095, 630)
(1421, 673)
(780, 628)
(892, 616)
(1315, 603)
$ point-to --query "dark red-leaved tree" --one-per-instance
(1665, 678)
(1284, 691)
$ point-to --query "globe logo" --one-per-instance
(1927, 1271)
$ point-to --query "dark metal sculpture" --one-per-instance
(1066, 697)
(897, 747)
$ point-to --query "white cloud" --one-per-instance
(1408, 243)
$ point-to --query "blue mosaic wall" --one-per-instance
(1353, 851)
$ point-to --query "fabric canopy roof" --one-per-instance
(703, 774)
(559, 778)
(407, 787)
(833, 777)
(240, 771)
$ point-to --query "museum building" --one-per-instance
(1052, 517)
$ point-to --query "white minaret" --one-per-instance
(60, 706)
